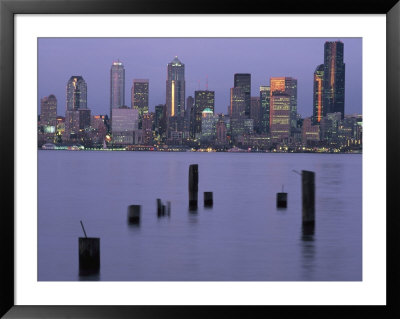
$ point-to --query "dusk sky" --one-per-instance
(217, 59)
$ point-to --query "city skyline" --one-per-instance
(261, 72)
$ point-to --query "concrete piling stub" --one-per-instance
(208, 199)
(89, 255)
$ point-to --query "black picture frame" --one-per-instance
(8, 8)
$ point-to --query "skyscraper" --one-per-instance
(117, 86)
(255, 112)
(287, 86)
(76, 93)
(280, 116)
(175, 87)
(265, 95)
(202, 100)
(318, 109)
(48, 111)
(140, 97)
(237, 111)
(243, 81)
(334, 78)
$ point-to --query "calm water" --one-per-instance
(244, 237)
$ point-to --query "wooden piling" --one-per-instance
(89, 255)
(208, 199)
(193, 186)
(281, 200)
(308, 197)
(134, 214)
(168, 208)
(159, 207)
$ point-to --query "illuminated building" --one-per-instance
(117, 86)
(207, 124)
(221, 131)
(287, 86)
(140, 97)
(334, 78)
(48, 113)
(265, 95)
(175, 88)
(147, 124)
(124, 124)
(190, 116)
(280, 116)
(329, 127)
(237, 111)
(309, 133)
(160, 118)
(318, 108)
(243, 81)
(76, 121)
(202, 100)
(76, 93)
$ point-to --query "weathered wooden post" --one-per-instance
(168, 208)
(134, 214)
(163, 210)
(159, 207)
(193, 186)
(208, 199)
(89, 254)
(308, 196)
(281, 199)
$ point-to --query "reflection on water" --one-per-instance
(308, 251)
(243, 237)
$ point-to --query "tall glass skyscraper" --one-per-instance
(265, 95)
(243, 81)
(76, 93)
(288, 86)
(175, 88)
(318, 108)
(48, 111)
(140, 97)
(202, 100)
(117, 86)
(334, 78)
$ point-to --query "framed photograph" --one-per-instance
(162, 159)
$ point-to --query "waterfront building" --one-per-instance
(190, 116)
(318, 108)
(76, 93)
(265, 95)
(140, 97)
(221, 130)
(287, 86)
(124, 125)
(310, 133)
(243, 81)
(280, 115)
(175, 88)
(202, 100)
(117, 86)
(237, 112)
(76, 121)
(48, 113)
(207, 125)
(329, 127)
(334, 78)
(255, 113)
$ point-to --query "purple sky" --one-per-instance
(215, 58)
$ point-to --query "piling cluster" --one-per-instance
(161, 210)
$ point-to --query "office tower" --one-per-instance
(237, 111)
(288, 86)
(175, 87)
(48, 112)
(243, 81)
(280, 115)
(329, 127)
(76, 93)
(334, 78)
(309, 132)
(190, 116)
(202, 100)
(124, 124)
(207, 124)
(255, 112)
(147, 124)
(318, 108)
(140, 97)
(221, 131)
(265, 95)
(117, 86)
(160, 119)
(76, 121)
